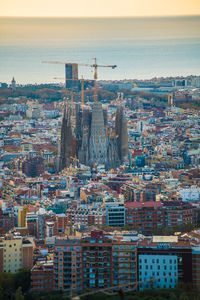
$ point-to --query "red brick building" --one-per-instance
(6, 222)
(148, 217)
(145, 217)
(42, 277)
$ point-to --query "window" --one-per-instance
(92, 281)
(101, 280)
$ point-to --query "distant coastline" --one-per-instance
(141, 47)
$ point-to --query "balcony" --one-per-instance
(67, 260)
(67, 272)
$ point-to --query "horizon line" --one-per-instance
(102, 17)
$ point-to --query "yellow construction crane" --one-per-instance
(82, 86)
(95, 66)
(75, 159)
(72, 103)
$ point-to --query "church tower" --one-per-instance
(121, 134)
(66, 142)
(97, 141)
(13, 84)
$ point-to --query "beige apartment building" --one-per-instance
(15, 252)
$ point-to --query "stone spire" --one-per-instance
(112, 153)
(121, 134)
(66, 139)
(97, 142)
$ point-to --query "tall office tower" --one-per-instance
(71, 72)
(66, 139)
(121, 134)
(97, 141)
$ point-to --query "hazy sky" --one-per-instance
(84, 8)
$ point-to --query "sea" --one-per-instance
(142, 48)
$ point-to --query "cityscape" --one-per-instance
(99, 178)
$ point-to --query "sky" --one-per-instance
(98, 8)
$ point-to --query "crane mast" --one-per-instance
(82, 91)
(82, 86)
(95, 66)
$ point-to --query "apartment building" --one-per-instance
(15, 253)
(86, 216)
(42, 277)
(68, 264)
(145, 217)
(163, 261)
(97, 262)
(124, 257)
(148, 217)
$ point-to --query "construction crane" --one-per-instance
(95, 66)
(75, 159)
(82, 85)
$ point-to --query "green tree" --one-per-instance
(23, 279)
(18, 294)
(172, 296)
(1, 293)
(184, 296)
